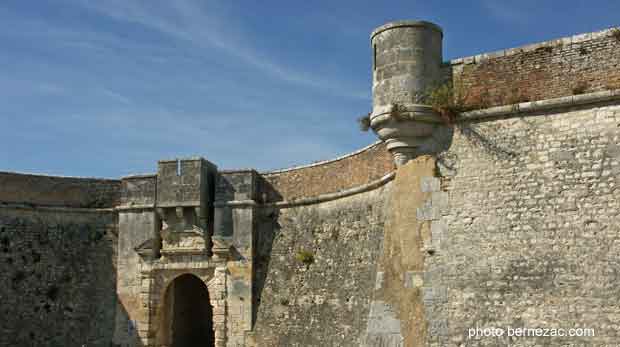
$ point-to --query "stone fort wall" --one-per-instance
(325, 302)
(528, 235)
(57, 260)
(57, 276)
(522, 233)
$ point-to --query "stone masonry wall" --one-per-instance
(59, 191)
(57, 277)
(568, 66)
(138, 190)
(531, 235)
(332, 176)
(315, 271)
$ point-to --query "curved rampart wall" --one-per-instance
(59, 191)
(350, 171)
(58, 238)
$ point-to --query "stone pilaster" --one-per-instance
(403, 311)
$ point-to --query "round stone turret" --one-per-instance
(407, 62)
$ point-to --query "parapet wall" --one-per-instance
(59, 191)
(356, 169)
(568, 66)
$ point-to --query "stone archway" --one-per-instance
(190, 314)
(160, 284)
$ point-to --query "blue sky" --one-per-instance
(106, 88)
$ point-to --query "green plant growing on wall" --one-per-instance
(305, 257)
(364, 122)
(449, 100)
(615, 33)
(397, 112)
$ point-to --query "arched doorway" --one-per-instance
(191, 314)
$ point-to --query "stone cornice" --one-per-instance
(311, 200)
(541, 105)
(334, 196)
(33, 207)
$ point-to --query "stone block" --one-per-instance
(237, 186)
(413, 279)
(430, 184)
(185, 182)
(434, 294)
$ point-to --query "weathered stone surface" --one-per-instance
(57, 278)
(59, 191)
(135, 227)
(185, 182)
(402, 259)
(383, 326)
(324, 302)
(531, 227)
(407, 61)
(237, 185)
(568, 66)
(138, 190)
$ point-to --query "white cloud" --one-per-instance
(188, 21)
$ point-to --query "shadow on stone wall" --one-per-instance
(438, 146)
(267, 228)
(485, 138)
(267, 192)
(126, 327)
(494, 136)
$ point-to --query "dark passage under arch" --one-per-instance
(192, 314)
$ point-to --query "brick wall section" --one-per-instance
(333, 176)
(57, 277)
(573, 65)
(59, 191)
